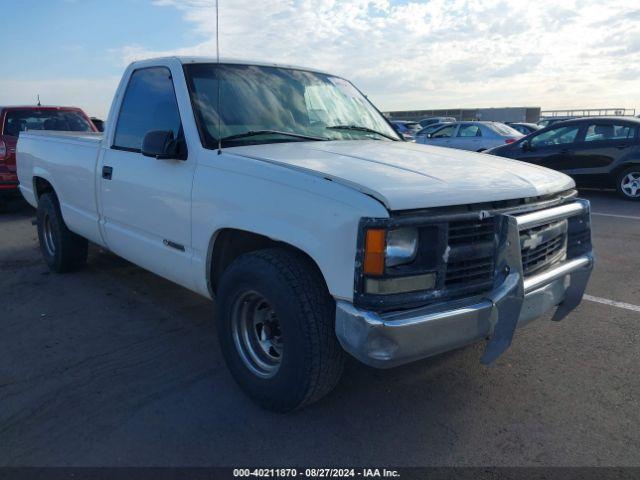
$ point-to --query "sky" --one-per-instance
(404, 54)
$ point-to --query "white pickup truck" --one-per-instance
(284, 194)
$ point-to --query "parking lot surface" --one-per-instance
(114, 366)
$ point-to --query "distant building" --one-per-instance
(507, 114)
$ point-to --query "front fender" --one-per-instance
(317, 216)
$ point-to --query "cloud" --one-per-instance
(429, 54)
(405, 54)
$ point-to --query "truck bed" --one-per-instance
(67, 161)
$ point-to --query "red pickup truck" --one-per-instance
(14, 120)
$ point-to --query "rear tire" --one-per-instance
(63, 250)
(628, 183)
(276, 325)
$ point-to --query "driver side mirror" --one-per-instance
(160, 144)
(526, 146)
(429, 135)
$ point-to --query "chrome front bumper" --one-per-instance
(391, 339)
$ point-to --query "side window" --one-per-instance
(555, 136)
(469, 131)
(13, 126)
(444, 132)
(609, 131)
(149, 104)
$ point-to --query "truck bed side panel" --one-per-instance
(68, 163)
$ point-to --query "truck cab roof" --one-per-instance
(223, 60)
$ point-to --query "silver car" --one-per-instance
(475, 136)
(422, 134)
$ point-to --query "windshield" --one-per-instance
(261, 99)
(20, 120)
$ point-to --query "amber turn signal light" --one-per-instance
(374, 248)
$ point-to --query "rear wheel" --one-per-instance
(276, 324)
(628, 183)
(63, 250)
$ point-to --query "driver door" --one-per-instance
(553, 148)
(146, 202)
(443, 136)
(469, 137)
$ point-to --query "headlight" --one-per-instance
(385, 249)
(402, 246)
(389, 248)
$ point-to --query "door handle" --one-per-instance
(566, 152)
(621, 147)
(107, 172)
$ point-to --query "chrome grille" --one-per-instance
(470, 232)
(543, 246)
(479, 270)
(470, 262)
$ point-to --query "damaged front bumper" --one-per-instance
(386, 340)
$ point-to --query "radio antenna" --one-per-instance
(219, 76)
(39, 104)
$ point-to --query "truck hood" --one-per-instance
(405, 176)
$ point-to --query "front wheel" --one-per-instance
(628, 184)
(63, 250)
(276, 324)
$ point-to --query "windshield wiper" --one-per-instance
(360, 129)
(253, 133)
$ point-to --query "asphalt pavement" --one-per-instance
(114, 366)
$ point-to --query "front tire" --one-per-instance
(628, 183)
(276, 325)
(63, 250)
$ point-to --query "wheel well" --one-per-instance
(622, 167)
(230, 243)
(42, 186)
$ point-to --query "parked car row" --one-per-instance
(429, 125)
(598, 152)
(474, 136)
(601, 152)
(412, 130)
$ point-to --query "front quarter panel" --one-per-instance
(314, 214)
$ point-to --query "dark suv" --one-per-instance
(597, 152)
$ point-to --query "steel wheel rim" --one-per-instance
(47, 233)
(630, 184)
(256, 334)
